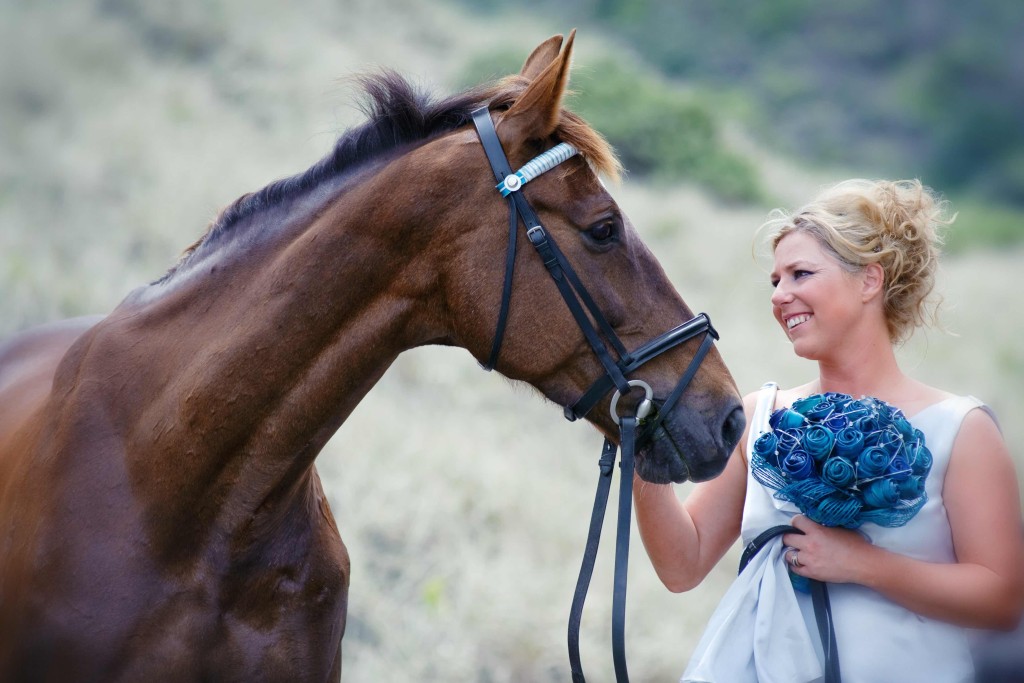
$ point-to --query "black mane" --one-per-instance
(397, 114)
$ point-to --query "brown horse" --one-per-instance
(161, 518)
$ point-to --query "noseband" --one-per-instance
(616, 372)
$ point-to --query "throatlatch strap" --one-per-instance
(819, 599)
(506, 289)
(499, 166)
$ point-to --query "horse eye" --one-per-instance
(603, 231)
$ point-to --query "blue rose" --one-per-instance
(890, 440)
(903, 426)
(912, 487)
(881, 493)
(766, 446)
(867, 423)
(821, 411)
(872, 463)
(787, 443)
(835, 422)
(849, 442)
(798, 465)
(802, 405)
(870, 427)
(898, 469)
(839, 472)
(922, 463)
(855, 410)
(817, 441)
(784, 418)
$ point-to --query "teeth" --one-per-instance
(796, 320)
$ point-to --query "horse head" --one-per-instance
(543, 344)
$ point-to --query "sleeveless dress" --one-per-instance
(764, 631)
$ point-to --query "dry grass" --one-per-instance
(463, 501)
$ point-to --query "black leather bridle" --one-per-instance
(600, 336)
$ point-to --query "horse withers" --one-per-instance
(161, 518)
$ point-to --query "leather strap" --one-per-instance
(581, 304)
(594, 326)
(499, 166)
(628, 427)
(606, 463)
(569, 284)
(684, 381)
(819, 599)
(506, 290)
(826, 630)
(634, 359)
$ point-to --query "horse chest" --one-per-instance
(117, 612)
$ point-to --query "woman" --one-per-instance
(852, 275)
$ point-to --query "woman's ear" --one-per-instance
(872, 281)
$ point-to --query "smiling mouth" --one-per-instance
(797, 320)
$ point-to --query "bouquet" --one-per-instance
(844, 461)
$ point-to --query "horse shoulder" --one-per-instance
(28, 363)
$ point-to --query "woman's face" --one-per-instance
(815, 300)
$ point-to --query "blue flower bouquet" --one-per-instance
(844, 461)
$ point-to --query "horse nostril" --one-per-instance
(732, 428)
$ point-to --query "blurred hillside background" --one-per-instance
(126, 125)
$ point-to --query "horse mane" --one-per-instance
(400, 114)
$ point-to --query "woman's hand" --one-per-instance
(825, 553)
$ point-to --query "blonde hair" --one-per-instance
(895, 224)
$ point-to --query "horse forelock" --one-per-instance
(400, 114)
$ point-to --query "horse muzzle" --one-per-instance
(691, 443)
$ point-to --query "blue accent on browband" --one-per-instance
(538, 165)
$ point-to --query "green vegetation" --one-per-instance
(982, 224)
(924, 88)
(659, 130)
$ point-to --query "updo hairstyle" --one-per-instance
(893, 223)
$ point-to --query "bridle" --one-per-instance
(600, 335)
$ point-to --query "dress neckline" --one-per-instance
(928, 407)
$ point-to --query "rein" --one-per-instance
(633, 428)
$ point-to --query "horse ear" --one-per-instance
(535, 113)
(542, 55)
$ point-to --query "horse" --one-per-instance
(161, 517)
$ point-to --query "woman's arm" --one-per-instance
(685, 539)
(985, 587)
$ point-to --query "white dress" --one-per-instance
(764, 632)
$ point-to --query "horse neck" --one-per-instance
(260, 353)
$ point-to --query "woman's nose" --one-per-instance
(780, 295)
